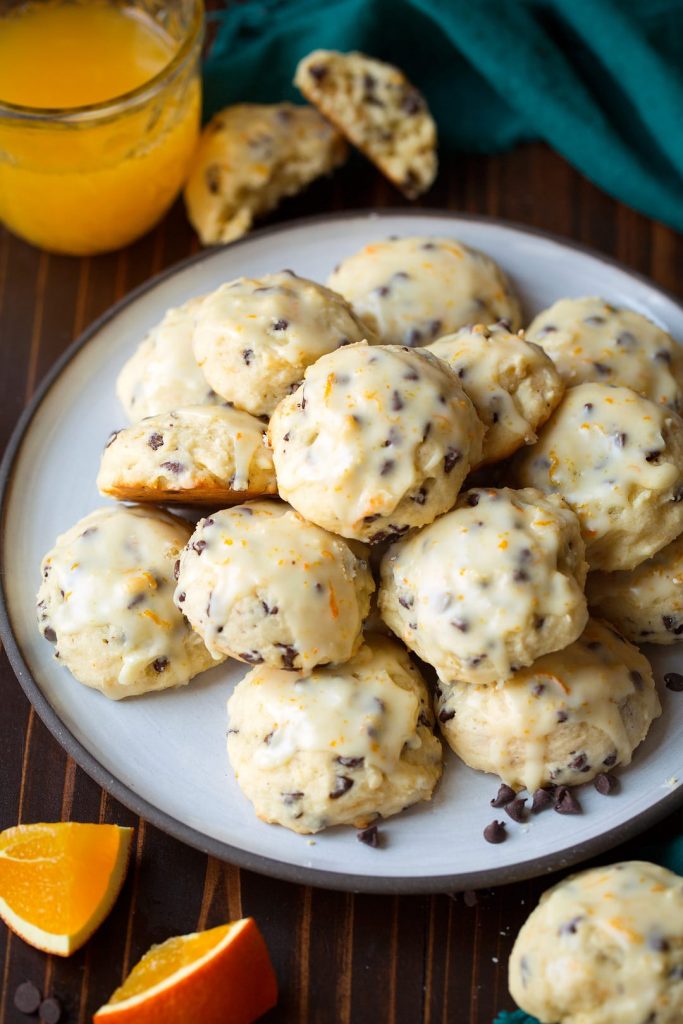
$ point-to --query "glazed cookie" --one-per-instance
(249, 157)
(378, 110)
(163, 374)
(645, 604)
(572, 715)
(203, 454)
(589, 340)
(604, 947)
(413, 290)
(340, 746)
(513, 384)
(490, 586)
(261, 584)
(617, 460)
(106, 601)
(254, 338)
(376, 440)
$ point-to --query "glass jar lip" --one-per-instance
(118, 104)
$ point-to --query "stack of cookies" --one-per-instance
(391, 468)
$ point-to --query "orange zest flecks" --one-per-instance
(334, 607)
(148, 613)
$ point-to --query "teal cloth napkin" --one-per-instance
(599, 80)
(670, 856)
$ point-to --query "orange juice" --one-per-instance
(99, 115)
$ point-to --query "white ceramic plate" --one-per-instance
(164, 754)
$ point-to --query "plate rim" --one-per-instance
(302, 875)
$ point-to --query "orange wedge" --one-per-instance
(221, 976)
(59, 881)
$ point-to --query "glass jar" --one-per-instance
(90, 179)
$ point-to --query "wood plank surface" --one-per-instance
(340, 958)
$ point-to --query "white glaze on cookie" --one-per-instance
(107, 601)
(568, 717)
(513, 384)
(376, 440)
(617, 459)
(414, 290)
(260, 583)
(340, 745)
(604, 947)
(255, 337)
(590, 340)
(488, 587)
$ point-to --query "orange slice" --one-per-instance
(59, 881)
(221, 976)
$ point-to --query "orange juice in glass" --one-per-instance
(99, 115)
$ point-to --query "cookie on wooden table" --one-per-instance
(414, 290)
(342, 745)
(106, 602)
(378, 110)
(208, 455)
(512, 383)
(249, 157)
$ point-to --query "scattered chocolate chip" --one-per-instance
(176, 568)
(350, 762)
(653, 457)
(414, 336)
(602, 370)
(138, 599)
(579, 763)
(473, 499)
(663, 356)
(423, 720)
(606, 784)
(50, 1011)
(160, 664)
(248, 356)
(562, 716)
(27, 997)
(317, 72)
(369, 836)
(505, 795)
(672, 625)
(588, 407)
(626, 339)
(412, 102)
(538, 689)
(252, 657)
(566, 802)
(387, 466)
(658, 943)
(610, 760)
(542, 800)
(173, 467)
(280, 325)
(569, 927)
(406, 602)
(291, 798)
(411, 375)
(594, 320)
(212, 177)
(517, 809)
(269, 609)
(637, 679)
(452, 457)
(421, 496)
(674, 681)
(342, 785)
(288, 655)
(50, 634)
(495, 832)
(619, 439)
(397, 402)
(199, 546)
(446, 714)
(181, 597)
(520, 576)
(155, 441)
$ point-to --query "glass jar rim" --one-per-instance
(106, 109)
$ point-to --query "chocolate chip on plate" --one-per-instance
(606, 784)
(369, 836)
(566, 802)
(674, 681)
(495, 832)
(27, 997)
(517, 809)
(542, 799)
(505, 795)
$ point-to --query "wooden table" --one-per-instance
(339, 958)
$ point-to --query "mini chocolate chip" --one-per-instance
(414, 336)
(412, 102)
(280, 325)
(406, 602)
(155, 441)
(671, 624)
(562, 715)
(160, 664)
(538, 689)
(461, 624)
(50, 1011)
(27, 997)
(434, 327)
(610, 760)
(566, 802)
(421, 496)
(579, 763)
(248, 355)
(542, 799)
(452, 457)
(674, 681)
(317, 72)
(446, 714)
(181, 597)
(212, 177)
(626, 338)
(602, 370)
(176, 568)
(397, 402)
(387, 466)
(411, 375)
(619, 439)
(173, 467)
(423, 720)
(517, 809)
(505, 795)
(369, 836)
(606, 784)
(653, 456)
(350, 762)
(50, 634)
(520, 576)
(636, 678)
(383, 290)
(199, 546)
(268, 609)
(594, 320)
(291, 798)
(252, 657)
(473, 499)
(677, 496)
(588, 407)
(569, 927)
(288, 655)
(663, 356)
(138, 599)
(495, 832)
(342, 784)
(658, 943)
